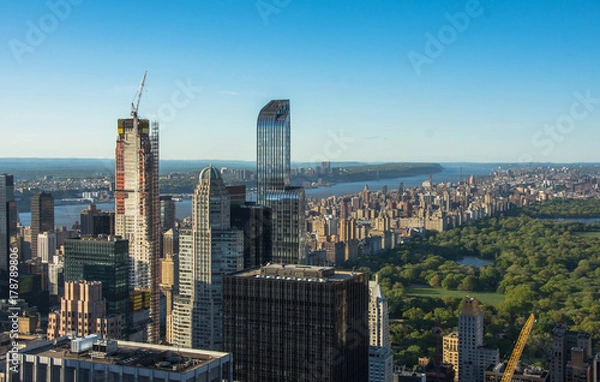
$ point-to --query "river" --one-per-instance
(66, 215)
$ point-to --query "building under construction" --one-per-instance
(137, 205)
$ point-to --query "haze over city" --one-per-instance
(479, 81)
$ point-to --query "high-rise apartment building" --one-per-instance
(297, 323)
(46, 246)
(137, 205)
(273, 148)
(379, 327)
(103, 259)
(273, 183)
(82, 312)
(8, 228)
(207, 252)
(473, 356)
(450, 351)
(42, 217)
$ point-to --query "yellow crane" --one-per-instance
(518, 350)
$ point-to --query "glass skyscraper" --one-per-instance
(273, 188)
(8, 226)
(273, 148)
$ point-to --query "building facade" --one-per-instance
(210, 250)
(137, 207)
(297, 323)
(8, 228)
(273, 183)
(64, 361)
(46, 246)
(473, 357)
(42, 217)
(255, 221)
(379, 327)
(450, 351)
(82, 312)
(96, 222)
(105, 260)
(564, 341)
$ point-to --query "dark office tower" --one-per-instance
(237, 195)
(167, 212)
(101, 259)
(42, 217)
(8, 229)
(288, 225)
(273, 148)
(297, 323)
(137, 208)
(255, 221)
(96, 222)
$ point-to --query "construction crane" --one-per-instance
(518, 350)
(135, 104)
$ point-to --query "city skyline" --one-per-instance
(476, 81)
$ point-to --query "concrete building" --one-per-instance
(168, 285)
(46, 247)
(93, 359)
(137, 207)
(379, 327)
(473, 357)
(297, 323)
(207, 253)
(82, 312)
(96, 222)
(450, 351)
(42, 217)
(564, 340)
(381, 364)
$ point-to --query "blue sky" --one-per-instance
(370, 81)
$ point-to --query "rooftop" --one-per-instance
(295, 272)
(134, 354)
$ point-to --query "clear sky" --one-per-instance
(389, 80)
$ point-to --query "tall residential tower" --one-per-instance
(137, 206)
(273, 187)
(208, 251)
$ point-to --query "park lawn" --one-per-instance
(591, 234)
(486, 298)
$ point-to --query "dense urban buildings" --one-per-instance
(273, 183)
(83, 312)
(95, 359)
(473, 356)
(103, 259)
(137, 204)
(8, 228)
(571, 355)
(95, 222)
(42, 217)
(297, 323)
(210, 250)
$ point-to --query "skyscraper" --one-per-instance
(137, 207)
(297, 323)
(378, 317)
(8, 227)
(273, 188)
(273, 148)
(106, 260)
(95, 222)
(42, 217)
(207, 253)
(473, 356)
(46, 243)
